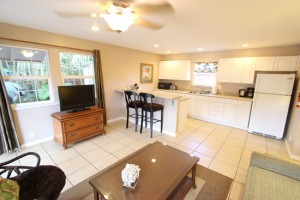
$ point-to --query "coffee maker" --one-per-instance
(250, 92)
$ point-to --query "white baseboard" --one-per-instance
(115, 119)
(292, 156)
(37, 142)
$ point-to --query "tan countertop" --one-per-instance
(209, 95)
(157, 94)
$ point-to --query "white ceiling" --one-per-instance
(210, 24)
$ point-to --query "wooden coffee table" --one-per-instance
(167, 178)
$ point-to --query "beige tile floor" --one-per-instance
(220, 148)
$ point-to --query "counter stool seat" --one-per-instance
(132, 101)
(149, 107)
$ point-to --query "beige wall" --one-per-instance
(121, 67)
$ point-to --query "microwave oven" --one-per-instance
(165, 86)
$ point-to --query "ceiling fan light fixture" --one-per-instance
(27, 53)
(119, 17)
(119, 22)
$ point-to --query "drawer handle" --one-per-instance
(72, 124)
(73, 134)
(96, 118)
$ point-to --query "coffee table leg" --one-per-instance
(194, 177)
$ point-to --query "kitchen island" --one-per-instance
(175, 111)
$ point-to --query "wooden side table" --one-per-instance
(77, 126)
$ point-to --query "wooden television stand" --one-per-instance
(77, 126)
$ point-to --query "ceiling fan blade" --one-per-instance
(72, 14)
(148, 24)
(141, 9)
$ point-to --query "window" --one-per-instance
(205, 74)
(26, 74)
(77, 69)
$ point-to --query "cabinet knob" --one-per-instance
(73, 134)
(72, 124)
(97, 127)
(96, 118)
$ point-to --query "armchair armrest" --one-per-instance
(5, 167)
(276, 165)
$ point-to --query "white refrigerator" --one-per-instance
(271, 104)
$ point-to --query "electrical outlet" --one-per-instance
(31, 134)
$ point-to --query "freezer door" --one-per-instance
(275, 83)
(268, 114)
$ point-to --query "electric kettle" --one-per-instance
(242, 93)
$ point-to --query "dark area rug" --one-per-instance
(216, 187)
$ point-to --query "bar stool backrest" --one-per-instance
(147, 100)
(131, 98)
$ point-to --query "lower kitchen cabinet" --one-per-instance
(242, 115)
(225, 111)
(229, 111)
(202, 107)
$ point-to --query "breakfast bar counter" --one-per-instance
(175, 111)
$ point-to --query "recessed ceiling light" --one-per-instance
(200, 49)
(95, 28)
(168, 51)
(245, 45)
(156, 45)
(94, 15)
(153, 160)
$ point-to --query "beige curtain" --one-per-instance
(8, 135)
(99, 82)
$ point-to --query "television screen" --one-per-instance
(76, 97)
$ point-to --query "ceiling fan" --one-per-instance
(121, 14)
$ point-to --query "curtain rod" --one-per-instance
(50, 45)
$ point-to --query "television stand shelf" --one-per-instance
(77, 126)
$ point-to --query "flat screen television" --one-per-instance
(76, 97)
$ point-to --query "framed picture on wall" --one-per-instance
(146, 73)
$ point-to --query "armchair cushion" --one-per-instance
(9, 189)
(42, 182)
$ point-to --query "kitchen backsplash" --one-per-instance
(223, 88)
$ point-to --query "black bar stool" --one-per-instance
(132, 101)
(149, 106)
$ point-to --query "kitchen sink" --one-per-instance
(201, 92)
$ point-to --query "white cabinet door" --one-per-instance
(184, 70)
(224, 69)
(175, 70)
(248, 70)
(229, 111)
(191, 104)
(202, 105)
(242, 114)
(286, 63)
(163, 70)
(264, 63)
(237, 71)
(167, 70)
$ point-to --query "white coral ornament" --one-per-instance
(130, 174)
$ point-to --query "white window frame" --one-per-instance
(37, 104)
(75, 77)
(196, 80)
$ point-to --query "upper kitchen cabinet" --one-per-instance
(167, 70)
(264, 63)
(175, 70)
(236, 70)
(279, 63)
(224, 69)
(286, 63)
